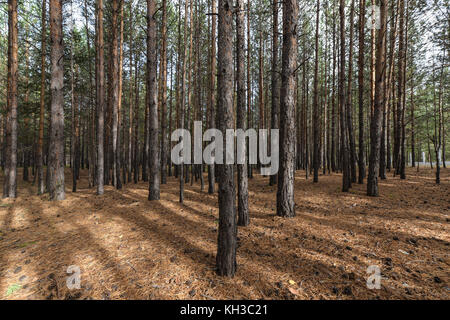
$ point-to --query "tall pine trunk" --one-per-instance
(10, 182)
(56, 147)
(40, 153)
(243, 211)
(227, 241)
(285, 193)
(380, 100)
(154, 164)
(100, 100)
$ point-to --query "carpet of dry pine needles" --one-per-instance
(129, 248)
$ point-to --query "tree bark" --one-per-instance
(100, 100)
(275, 78)
(56, 147)
(361, 161)
(154, 164)
(285, 194)
(227, 240)
(212, 87)
(243, 210)
(380, 100)
(163, 102)
(40, 158)
(316, 125)
(10, 180)
(344, 149)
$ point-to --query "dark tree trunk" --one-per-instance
(275, 76)
(285, 194)
(346, 177)
(10, 182)
(349, 105)
(154, 164)
(375, 125)
(316, 124)
(56, 148)
(243, 211)
(362, 26)
(40, 149)
(227, 241)
(100, 100)
(212, 84)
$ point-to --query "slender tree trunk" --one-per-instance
(249, 84)
(401, 56)
(130, 111)
(316, 125)
(40, 158)
(56, 148)
(212, 87)
(154, 164)
(375, 125)
(349, 108)
(227, 241)
(346, 177)
(75, 137)
(118, 157)
(100, 100)
(243, 211)
(361, 161)
(403, 97)
(285, 194)
(275, 77)
(91, 109)
(10, 180)
(333, 102)
(136, 118)
(163, 101)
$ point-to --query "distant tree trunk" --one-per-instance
(154, 164)
(403, 97)
(285, 194)
(146, 146)
(333, 102)
(243, 214)
(212, 87)
(10, 180)
(349, 108)
(163, 102)
(227, 241)
(56, 148)
(390, 86)
(413, 140)
(346, 177)
(91, 144)
(183, 95)
(119, 98)
(316, 125)
(361, 161)
(26, 120)
(136, 118)
(75, 138)
(375, 125)
(130, 111)
(261, 102)
(401, 57)
(114, 63)
(275, 77)
(100, 100)
(249, 83)
(40, 158)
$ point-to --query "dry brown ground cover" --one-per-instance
(129, 248)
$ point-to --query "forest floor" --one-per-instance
(130, 248)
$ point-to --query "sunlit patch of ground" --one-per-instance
(130, 248)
